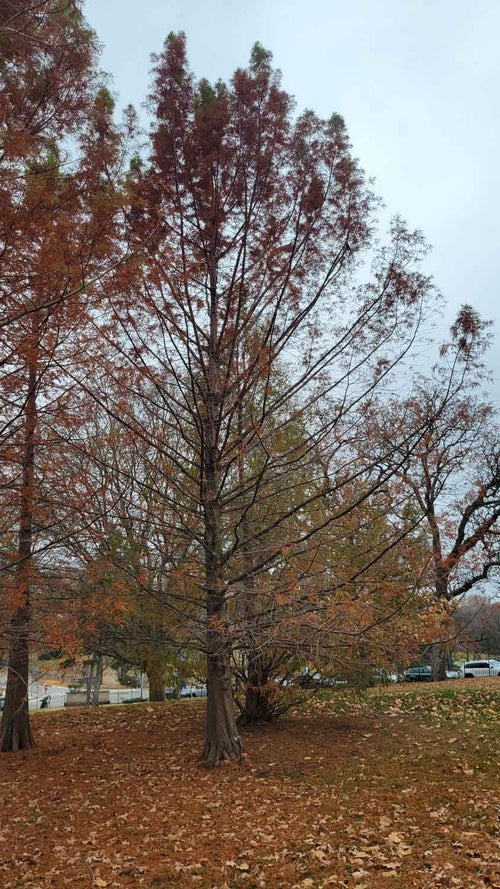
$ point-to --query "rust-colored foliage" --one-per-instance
(56, 211)
(190, 460)
(247, 223)
(452, 472)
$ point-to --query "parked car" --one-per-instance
(382, 676)
(419, 674)
(455, 672)
(193, 691)
(316, 680)
(2, 702)
(186, 691)
(481, 668)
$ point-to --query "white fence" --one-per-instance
(40, 698)
(53, 700)
(119, 695)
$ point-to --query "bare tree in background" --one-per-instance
(453, 474)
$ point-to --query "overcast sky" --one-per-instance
(417, 81)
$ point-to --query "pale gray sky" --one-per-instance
(417, 81)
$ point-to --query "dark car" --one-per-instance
(2, 702)
(419, 674)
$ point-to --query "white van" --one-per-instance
(481, 668)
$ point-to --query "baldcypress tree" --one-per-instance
(252, 224)
(57, 149)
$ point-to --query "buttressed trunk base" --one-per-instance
(222, 742)
(16, 732)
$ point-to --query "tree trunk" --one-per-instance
(258, 695)
(96, 682)
(257, 704)
(222, 741)
(89, 684)
(156, 679)
(438, 659)
(16, 731)
(439, 651)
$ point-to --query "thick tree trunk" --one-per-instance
(98, 680)
(258, 696)
(257, 705)
(16, 732)
(439, 651)
(222, 741)
(94, 682)
(88, 683)
(438, 659)
(156, 680)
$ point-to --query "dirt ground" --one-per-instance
(400, 788)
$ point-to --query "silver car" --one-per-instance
(481, 668)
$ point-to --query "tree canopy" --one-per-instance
(201, 455)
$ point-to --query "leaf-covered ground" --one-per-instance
(398, 789)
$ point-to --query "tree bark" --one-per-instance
(257, 704)
(88, 690)
(16, 731)
(222, 741)
(95, 681)
(258, 699)
(156, 680)
(438, 659)
(438, 651)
